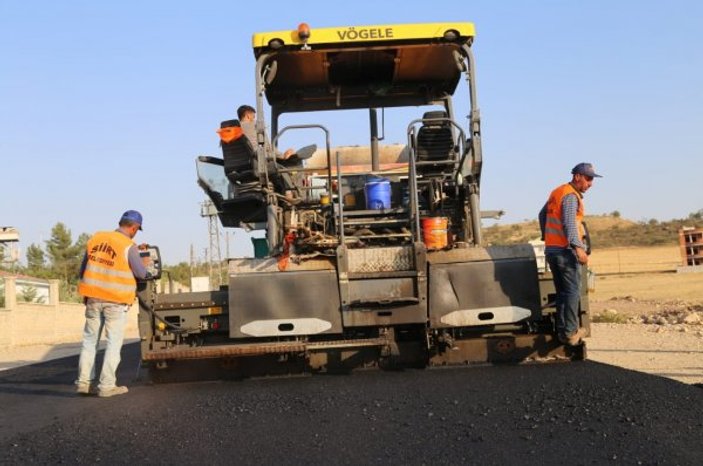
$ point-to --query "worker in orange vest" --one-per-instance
(561, 222)
(108, 274)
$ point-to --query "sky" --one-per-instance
(104, 106)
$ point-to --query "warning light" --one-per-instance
(304, 34)
(303, 31)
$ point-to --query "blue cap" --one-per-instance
(132, 216)
(586, 169)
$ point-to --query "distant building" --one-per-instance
(691, 245)
(29, 289)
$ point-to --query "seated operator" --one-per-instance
(247, 118)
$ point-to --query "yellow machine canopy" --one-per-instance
(363, 66)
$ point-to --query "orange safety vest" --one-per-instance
(230, 133)
(107, 275)
(554, 234)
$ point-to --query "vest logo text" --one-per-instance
(104, 249)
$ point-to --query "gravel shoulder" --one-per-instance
(662, 336)
(653, 349)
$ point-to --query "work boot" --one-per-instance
(575, 338)
(112, 392)
(85, 389)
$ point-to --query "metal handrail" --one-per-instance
(340, 201)
(274, 145)
(413, 164)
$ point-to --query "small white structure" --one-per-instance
(538, 246)
(200, 284)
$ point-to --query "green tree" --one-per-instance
(81, 242)
(36, 261)
(65, 257)
(615, 213)
(180, 273)
(29, 294)
(59, 249)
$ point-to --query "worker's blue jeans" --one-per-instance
(566, 271)
(112, 318)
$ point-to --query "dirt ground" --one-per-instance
(647, 317)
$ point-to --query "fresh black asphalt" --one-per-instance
(560, 413)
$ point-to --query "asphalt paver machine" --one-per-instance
(372, 253)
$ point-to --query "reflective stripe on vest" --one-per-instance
(106, 271)
(107, 275)
(554, 234)
(104, 284)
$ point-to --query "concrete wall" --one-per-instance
(31, 324)
(5, 336)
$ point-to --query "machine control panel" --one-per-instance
(151, 257)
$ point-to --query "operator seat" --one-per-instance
(237, 152)
(247, 202)
(435, 142)
(240, 161)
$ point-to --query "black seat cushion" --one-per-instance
(434, 139)
(238, 155)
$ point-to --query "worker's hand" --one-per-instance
(581, 255)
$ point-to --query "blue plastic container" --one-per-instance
(378, 194)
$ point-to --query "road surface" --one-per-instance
(575, 413)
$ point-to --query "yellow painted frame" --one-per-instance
(361, 34)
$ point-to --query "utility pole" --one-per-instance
(209, 211)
